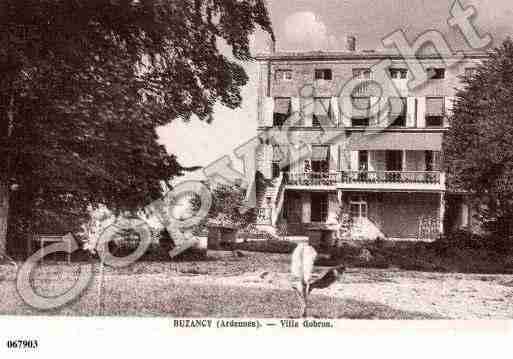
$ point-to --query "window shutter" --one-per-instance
(346, 111)
(371, 163)
(421, 112)
(295, 165)
(379, 160)
(295, 105)
(412, 112)
(354, 160)
(449, 109)
(268, 112)
(345, 159)
(374, 103)
(334, 158)
(335, 112)
(435, 106)
(306, 158)
(411, 163)
(437, 161)
(307, 108)
(268, 155)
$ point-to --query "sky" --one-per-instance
(306, 25)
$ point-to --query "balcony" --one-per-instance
(313, 179)
(368, 180)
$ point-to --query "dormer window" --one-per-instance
(436, 73)
(323, 74)
(283, 75)
(399, 74)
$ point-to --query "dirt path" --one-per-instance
(451, 296)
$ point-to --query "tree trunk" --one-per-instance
(4, 213)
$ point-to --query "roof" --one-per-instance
(360, 55)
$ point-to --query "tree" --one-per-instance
(228, 206)
(479, 145)
(83, 86)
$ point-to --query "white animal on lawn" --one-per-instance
(301, 268)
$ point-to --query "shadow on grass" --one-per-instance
(220, 301)
(157, 296)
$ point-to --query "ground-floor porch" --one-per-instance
(392, 215)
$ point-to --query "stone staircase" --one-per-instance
(269, 205)
(270, 191)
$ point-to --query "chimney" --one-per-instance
(351, 43)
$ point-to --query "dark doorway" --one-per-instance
(394, 164)
(319, 207)
(394, 160)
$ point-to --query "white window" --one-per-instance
(283, 75)
(358, 207)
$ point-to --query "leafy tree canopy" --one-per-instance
(85, 82)
(479, 145)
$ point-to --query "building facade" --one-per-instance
(345, 130)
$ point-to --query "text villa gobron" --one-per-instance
(256, 324)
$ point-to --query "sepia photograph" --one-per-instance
(255, 165)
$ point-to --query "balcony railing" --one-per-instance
(365, 177)
(391, 177)
(313, 178)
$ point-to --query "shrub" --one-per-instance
(267, 246)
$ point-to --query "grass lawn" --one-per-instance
(257, 285)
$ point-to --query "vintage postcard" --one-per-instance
(289, 167)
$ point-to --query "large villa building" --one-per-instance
(376, 151)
